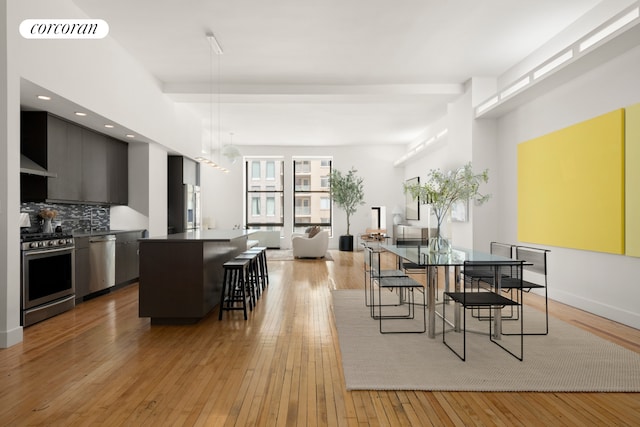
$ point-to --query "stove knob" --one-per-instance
(33, 245)
(51, 242)
(62, 241)
(70, 241)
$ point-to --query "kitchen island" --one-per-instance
(181, 274)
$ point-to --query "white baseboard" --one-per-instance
(10, 338)
(607, 311)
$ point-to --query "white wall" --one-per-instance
(223, 194)
(10, 330)
(600, 283)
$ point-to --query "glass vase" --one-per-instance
(441, 242)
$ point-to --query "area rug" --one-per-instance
(567, 360)
(287, 255)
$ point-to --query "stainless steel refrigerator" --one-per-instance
(192, 203)
(183, 196)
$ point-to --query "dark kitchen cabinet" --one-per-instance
(64, 154)
(90, 167)
(118, 172)
(127, 259)
(81, 267)
(94, 167)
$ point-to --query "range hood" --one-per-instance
(30, 167)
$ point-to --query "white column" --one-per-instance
(10, 329)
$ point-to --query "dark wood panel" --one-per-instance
(65, 159)
(118, 172)
(182, 281)
(90, 167)
(94, 167)
(127, 259)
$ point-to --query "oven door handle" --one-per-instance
(48, 251)
(50, 304)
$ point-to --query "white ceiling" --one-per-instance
(328, 72)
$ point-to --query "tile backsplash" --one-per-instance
(72, 218)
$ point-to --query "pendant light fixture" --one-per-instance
(215, 49)
(230, 151)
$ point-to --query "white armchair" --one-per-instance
(310, 247)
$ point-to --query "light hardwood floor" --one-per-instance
(100, 364)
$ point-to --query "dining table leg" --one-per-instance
(457, 311)
(431, 289)
(497, 312)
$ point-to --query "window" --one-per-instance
(271, 206)
(264, 195)
(271, 170)
(255, 206)
(311, 193)
(325, 203)
(255, 170)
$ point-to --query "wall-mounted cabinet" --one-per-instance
(90, 167)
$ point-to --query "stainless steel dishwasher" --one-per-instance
(102, 262)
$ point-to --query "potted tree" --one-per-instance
(347, 193)
(442, 190)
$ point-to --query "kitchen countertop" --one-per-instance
(202, 235)
(103, 232)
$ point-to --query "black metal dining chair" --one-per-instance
(535, 267)
(398, 302)
(469, 299)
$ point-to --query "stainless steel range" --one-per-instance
(48, 278)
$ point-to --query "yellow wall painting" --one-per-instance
(632, 184)
(571, 186)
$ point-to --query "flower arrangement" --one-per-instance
(48, 214)
(443, 189)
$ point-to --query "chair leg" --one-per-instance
(462, 356)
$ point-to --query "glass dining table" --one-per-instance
(421, 256)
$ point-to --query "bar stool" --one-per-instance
(253, 278)
(264, 270)
(234, 286)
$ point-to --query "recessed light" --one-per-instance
(130, 135)
(80, 113)
(109, 126)
(44, 97)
